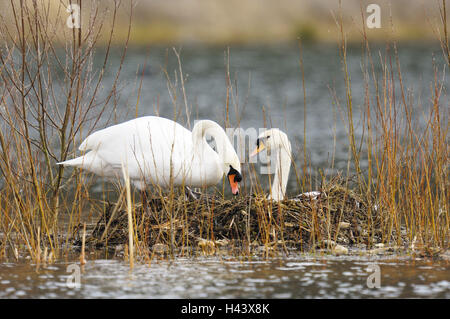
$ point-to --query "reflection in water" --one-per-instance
(291, 277)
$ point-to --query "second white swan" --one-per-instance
(274, 140)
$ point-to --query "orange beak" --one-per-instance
(234, 185)
(258, 149)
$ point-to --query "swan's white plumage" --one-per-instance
(153, 150)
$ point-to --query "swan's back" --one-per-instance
(147, 126)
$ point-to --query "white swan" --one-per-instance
(274, 140)
(156, 151)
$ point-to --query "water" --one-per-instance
(267, 77)
(211, 277)
(270, 77)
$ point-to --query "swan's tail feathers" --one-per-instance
(77, 162)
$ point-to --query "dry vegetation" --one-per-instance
(51, 95)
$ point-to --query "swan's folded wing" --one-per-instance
(106, 136)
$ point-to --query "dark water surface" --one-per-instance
(289, 277)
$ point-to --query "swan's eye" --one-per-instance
(268, 136)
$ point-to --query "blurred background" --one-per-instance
(260, 21)
(263, 21)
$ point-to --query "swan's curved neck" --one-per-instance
(201, 128)
(198, 134)
(282, 172)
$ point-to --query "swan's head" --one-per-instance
(234, 177)
(231, 165)
(232, 168)
(272, 139)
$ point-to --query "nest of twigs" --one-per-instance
(335, 213)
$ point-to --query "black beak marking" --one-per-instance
(237, 175)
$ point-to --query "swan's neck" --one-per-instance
(282, 173)
(211, 128)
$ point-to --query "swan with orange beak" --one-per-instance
(155, 151)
